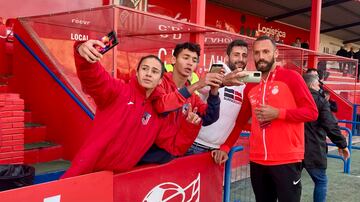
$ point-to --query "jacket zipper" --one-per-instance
(263, 130)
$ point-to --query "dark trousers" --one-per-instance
(156, 155)
(278, 182)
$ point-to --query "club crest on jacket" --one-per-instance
(185, 108)
(145, 119)
(275, 90)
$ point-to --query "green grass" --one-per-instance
(341, 187)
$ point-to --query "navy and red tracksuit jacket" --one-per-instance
(281, 141)
(125, 124)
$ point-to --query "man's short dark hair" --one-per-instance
(309, 79)
(264, 38)
(193, 47)
(235, 43)
(309, 70)
(163, 70)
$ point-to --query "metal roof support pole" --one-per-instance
(197, 16)
(315, 30)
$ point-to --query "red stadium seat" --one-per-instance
(10, 22)
(10, 25)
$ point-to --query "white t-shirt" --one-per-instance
(231, 98)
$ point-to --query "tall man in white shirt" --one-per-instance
(212, 136)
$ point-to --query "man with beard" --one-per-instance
(278, 106)
(212, 136)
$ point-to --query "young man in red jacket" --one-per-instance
(175, 93)
(125, 124)
(278, 106)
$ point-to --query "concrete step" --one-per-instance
(28, 116)
(34, 132)
(38, 152)
(335, 73)
(5, 78)
(49, 171)
(341, 79)
(3, 88)
(340, 85)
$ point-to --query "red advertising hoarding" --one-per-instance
(229, 19)
(191, 179)
(90, 188)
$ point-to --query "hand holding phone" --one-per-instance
(252, 77)
(216, 78)
(87, 50)
(110, 41)
(216, 68)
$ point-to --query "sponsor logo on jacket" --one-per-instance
(185, 108)
(233, 96)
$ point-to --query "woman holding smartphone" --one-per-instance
(125, 124)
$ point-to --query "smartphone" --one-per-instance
(216, 68)
(110, 41)
(252, 77)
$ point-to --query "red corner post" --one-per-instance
(197, 16)
(315, 30)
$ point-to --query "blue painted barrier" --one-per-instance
(227, 180)
(347, 163)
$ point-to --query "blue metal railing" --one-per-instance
(347, 163)
(227, 180)
(62, 85)
(353, 123)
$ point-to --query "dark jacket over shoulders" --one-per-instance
(342, 52)
(316, 132)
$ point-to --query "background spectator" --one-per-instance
(297, 42)
(357, 56)
(343, 53)
(315, 161)
(305, 44)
